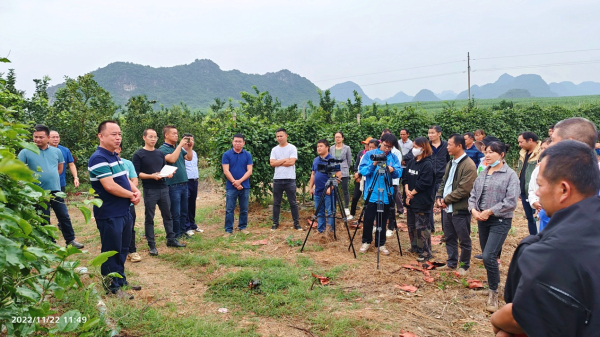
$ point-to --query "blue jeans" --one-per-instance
(178, 194)
(57, 204)
(529, 214)
(115, 234)
(492, 234)
(234, 195)
(326, 207)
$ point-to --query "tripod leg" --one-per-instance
(377, 240)
(340, 204)
(398, 237)
(362, 212)
(316, 214)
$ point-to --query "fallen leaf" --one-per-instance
(436, 239)
(457, 274)
(358, 299)
(409, 288)
(428, 279)
(426, 273)
(260, 242)
(412, 267)
(324, 280)
(407, 334)
(475, 284)
(434, 264)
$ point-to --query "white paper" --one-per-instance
(167, 171)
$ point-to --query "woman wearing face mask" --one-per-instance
(419, 179)
(492, 202)
(342, 151)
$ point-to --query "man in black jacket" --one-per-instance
(440, 158)
(553, 283)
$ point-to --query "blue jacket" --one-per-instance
(368, 170)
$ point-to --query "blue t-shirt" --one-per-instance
(68, 159)
(47, 161)
(130, 168)
(238, 166)
(103, 164)
(320, 178)
(475, 155)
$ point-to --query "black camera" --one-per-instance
(331, 165)
(379, 157)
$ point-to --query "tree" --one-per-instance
(37, 107)
(78, 109)
(11, 80)
(325, 101)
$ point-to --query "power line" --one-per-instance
(390, 71)
(537, 54)
(542, 65)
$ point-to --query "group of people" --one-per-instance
(464, 177)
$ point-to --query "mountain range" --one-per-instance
(198, 84)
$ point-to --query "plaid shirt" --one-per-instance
(502, 192)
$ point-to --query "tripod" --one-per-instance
(336, 198)
(382, 170)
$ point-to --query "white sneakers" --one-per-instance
(384, 250)
(347, 212)
(389, 233)
(199, 230)
(190, 232)
(364, 247)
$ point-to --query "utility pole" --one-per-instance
(469, 74)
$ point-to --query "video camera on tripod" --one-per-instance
(380, 157)
(330, 166)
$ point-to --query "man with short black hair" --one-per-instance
(577, 128)
(50, 162)
(148, 162)
(316, 186)
(471, 149)
(283, 159)
(453, 198)
(440, 158)
(528, 159)
(108, 177)
(553, 283)
(191, 168)
(237, 168)
(55, 142)
(551, 130)
(406, 146)
(176, 155)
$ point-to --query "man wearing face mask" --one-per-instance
(368, 169)
(452, 197)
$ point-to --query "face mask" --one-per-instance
(417, 152)
(598, 152)
(494, 164)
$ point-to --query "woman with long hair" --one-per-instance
(492, 203)
(419, 180)
(339, 150)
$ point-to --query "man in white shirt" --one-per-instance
(283, 159)
(406, 146)
(191, 167)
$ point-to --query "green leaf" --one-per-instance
(69, 321)
(28, 293)
(91, 191)
(63, 278)
(103, 257)
(59, 292)
(30, 146)
(61, 194)
(72, 250)
(114, 274)
(87, 214)
(4, 60)
(95, 202)
(90, 324)
(2, 196)
(25, 226)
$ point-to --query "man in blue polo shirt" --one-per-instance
(237, 167)
(108, 177)
(47, 165)
(316, 186)
(471, 149)
(175, 155)
(55, 142)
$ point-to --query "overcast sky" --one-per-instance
(327, 42)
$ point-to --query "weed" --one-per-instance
(293, 243)
(512, 231)
(468, 326)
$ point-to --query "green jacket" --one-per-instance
(464, 178)
(531, 163)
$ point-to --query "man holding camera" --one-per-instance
(178, 192)
(381, 190)
(316, 186)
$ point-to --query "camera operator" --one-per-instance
(368, 168)
(321, 167)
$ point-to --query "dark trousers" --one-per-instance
(529, 214)
(398, 199)
(192, 187)
(345, 191)
(115, 234)
(418, 232)
(179, 203)
(355, 198)
(132, 248)
(457, 228)
(432, 222)
(289, 187)
(372, 217)
(160, 197)
(57, 204)
(492, 234)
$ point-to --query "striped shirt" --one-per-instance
(104, 164)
